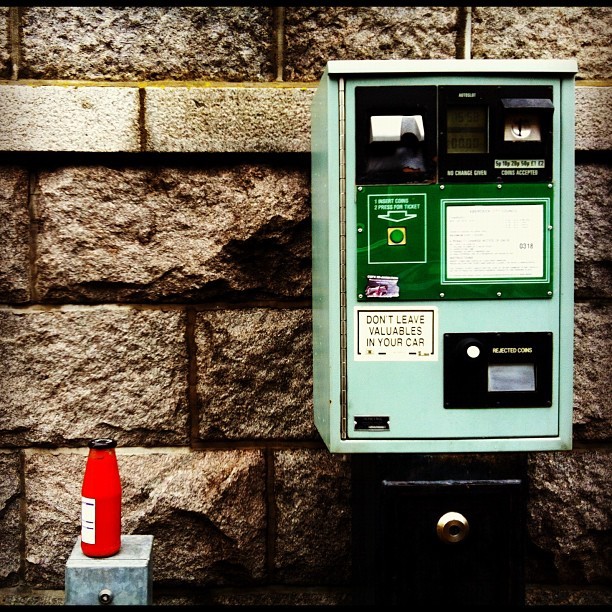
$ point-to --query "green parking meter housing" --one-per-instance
(442, 229)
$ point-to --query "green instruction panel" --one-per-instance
(457, 241)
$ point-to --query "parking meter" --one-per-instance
(442, 229)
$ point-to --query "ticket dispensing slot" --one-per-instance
(396, 140)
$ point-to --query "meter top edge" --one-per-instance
(440, 66)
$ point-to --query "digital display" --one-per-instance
(466, 129)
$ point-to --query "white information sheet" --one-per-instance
(494, 241)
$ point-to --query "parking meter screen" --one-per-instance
(467, 129)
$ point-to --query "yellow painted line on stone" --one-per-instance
(162, 84)
(607, 83)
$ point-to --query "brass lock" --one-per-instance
(452, 527)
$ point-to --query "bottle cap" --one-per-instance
(102, 443)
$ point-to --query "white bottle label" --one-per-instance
(88, 520)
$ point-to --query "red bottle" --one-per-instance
(101, 501)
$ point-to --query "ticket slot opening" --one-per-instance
(371, 423)
(396, 134)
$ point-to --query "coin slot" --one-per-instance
(520, 127)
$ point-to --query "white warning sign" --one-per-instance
(396, 334)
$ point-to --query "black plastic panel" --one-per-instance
(466, 137)
(408, 160)
(498, 370)
(520, 160)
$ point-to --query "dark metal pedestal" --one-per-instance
(438, 530)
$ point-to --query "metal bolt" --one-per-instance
(105, 597)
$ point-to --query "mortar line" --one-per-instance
(23, 507)
(166, 306)
(33, 237)
(192, 376)
(467, 38)
(200, 447)
(271, 515)
(142, 128)
(166, 84)
(15, 40)
(279, 35)
(464, 33)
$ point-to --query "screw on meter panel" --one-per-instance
(396, 236)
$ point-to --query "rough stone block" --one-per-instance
(20, 596)
(206, 512)
(315, 35)
(312, 490)
(148, 43)
(70, 375)
(10, 529)
(255, 374)
(570, 495)
(546, 32)
(69, 118)
(14, 235)
(593, 231)
(5, 44)
(593, 118)
(546, 596)
(270, 119)
(592, 367)
(135, 234)
(228, 119)
(287, 596)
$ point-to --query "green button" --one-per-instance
(397, 235)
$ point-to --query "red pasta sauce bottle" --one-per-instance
(101, 501)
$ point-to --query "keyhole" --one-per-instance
(452, 527)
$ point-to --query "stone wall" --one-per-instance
(155, 287)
